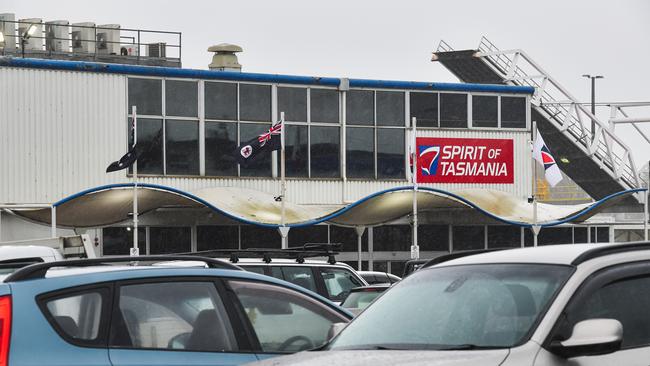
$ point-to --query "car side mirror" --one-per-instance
(591, 337)
(335, 329)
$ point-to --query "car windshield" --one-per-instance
(457, 307)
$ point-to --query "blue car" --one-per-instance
(114, 311)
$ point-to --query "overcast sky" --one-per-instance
(381, 39)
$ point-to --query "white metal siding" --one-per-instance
(60, 129)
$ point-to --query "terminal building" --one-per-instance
(65, 117)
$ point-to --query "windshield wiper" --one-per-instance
(465, 347)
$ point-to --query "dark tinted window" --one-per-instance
(325, 142)
(513, 112)
(555, 235)
(182, 147)
(424, 107)
(261, 165)
(348, 238)
(580, 235)
(254, 102)
(217, 237)
(360, 107)
(220, 100)
(181, 98)
(390, 108)
(220, 145)
(324, 105)
(293, 102)
(391, 238)
(79, 315)
(259, 237)
(118, 240)
(150, 144)
(146, 94)
(599, 234)
(311, 234)
(484, 111)
(432, 237)
(468, 237)
(360, 152)
(296, 151)
(390, 153)
(500, 236)
(163, 240)
(453, 110)
(301, 276)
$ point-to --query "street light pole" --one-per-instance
(593, 99)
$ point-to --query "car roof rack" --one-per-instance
(610, 249)
(299, 253)
(39, 270)
(455, 255)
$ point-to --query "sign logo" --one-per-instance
(246, 151)
(428, 159)
(547, 158)
(465, 160)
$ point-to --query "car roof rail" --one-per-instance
(39, 270)
(299, 253)
(455, 255)
(610, 249)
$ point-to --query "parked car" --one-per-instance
(114, 311)
(360, 297)
(376, 277)
(330, 280)
(13, 257)
(554, 305)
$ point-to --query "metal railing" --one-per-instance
(91, 41)
(564, 111)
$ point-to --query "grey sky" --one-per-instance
(381, 39)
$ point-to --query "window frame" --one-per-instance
(238, 332)
(105, 290)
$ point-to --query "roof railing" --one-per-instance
(39, 270)
(299, 253)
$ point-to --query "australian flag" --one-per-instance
(268, 141)
(129, 158)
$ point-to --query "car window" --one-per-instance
(627, 301)
(256, 269)
(172, 315)
(78, 315)
(285, 320)
(360, 299)
(339, 282)
(301, 276)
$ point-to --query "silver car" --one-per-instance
(556, 305)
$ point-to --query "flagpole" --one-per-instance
(415, 249)
(135, 250)
(283, 184)
(535, 228)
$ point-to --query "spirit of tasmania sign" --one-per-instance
(463, 160)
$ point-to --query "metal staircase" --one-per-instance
(600, 162)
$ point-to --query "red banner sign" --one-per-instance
(458, 160)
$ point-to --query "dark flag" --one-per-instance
(268, 141)
(129, 158)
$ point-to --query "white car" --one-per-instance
(13, 257)
(578, 305)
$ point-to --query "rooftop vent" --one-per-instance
(224, 58)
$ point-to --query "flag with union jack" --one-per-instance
(268, 141)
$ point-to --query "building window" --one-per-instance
(360, 107)
(254, 102)
(390, 153)
(433, 238)
(217, 237)
(325, 148)
(424, 107)
(390, 108)
(296, 151)
(348, 238)
(261, 165)
(453, 110)
(324, 105)
(485, 111)
(165, 240)
(182, 147)
(181, 98)
(513, 112)
(150, 144)
(501, 236)
(392, 238)
(146, 95)
(220, 101)
(300, 236)
(220, 146)
(360, 152)
(580, 235)
(118, 240)
(468, 237)
(260, 237)
(293, 102)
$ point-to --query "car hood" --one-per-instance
(389, 358)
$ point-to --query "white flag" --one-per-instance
(542, 154)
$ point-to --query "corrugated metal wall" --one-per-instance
(60, 129)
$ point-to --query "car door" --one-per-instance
(180, 321)
(622, 293)
(282, 320)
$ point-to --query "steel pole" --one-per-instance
(136, 249)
